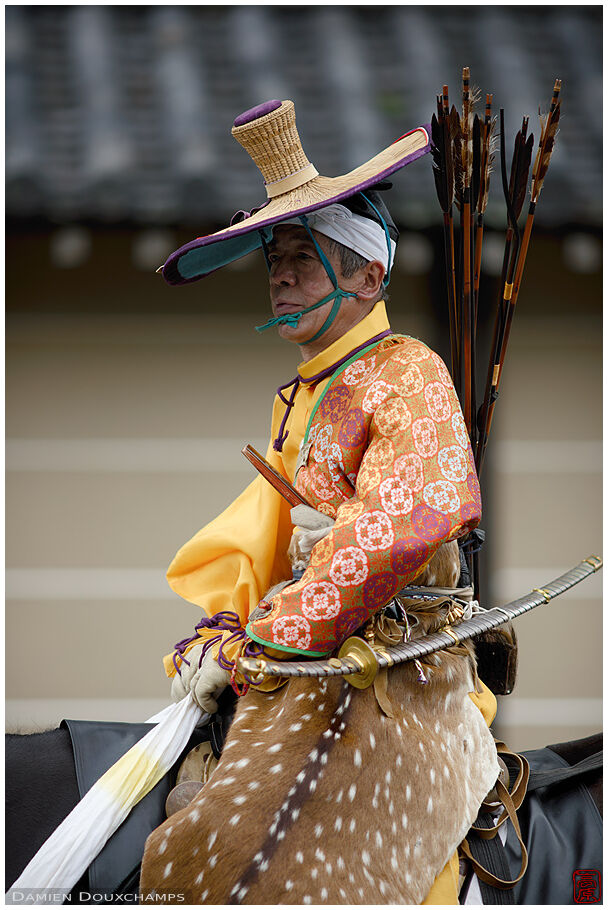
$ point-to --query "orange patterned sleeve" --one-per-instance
(391, 461)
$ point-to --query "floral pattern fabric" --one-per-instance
(391, 462)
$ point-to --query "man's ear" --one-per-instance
(370, 281)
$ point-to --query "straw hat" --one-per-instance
(293, 185)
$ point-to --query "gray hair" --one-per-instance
(350, 262)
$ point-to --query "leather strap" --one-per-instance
(484, 874)
(511, 801)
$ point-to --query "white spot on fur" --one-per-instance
(372, 740)
(351, 827)
(312, 786)
(163, 847)
(339, 796)
(300, 777)
(276, 768)
(295, 727)
(211, 840)
(288, 885)
(318, 830)
(213, 860)
(313, 756)
(253, 785)
(378, 839)
(299, 857)
(194, 815)
(340, 863)
(295, 814)
(446, 772)
(307, 899)
(321, 707)
(239, 800)
(352, 792)
(421, 747)
(300, 696)
(306, 716)
(235, 820)
(338, 823)
(432, 775)
(357, 758)
(388, 777)
(199, 878)
(404, 821)
(429, 805)
(204, 895)
(276, 748)
(168, 868)
(324, 894)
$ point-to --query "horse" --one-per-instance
(320, 795)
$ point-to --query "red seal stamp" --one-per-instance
(586, 886)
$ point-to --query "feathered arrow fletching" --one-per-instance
(523, 169)
(547, 150)
(438, 154)
(489, 147)
(456, 137)
(476, 162)
(520, 167)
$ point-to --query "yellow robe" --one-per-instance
(232, 562)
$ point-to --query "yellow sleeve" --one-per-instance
(231, 562)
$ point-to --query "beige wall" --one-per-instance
(124, 437)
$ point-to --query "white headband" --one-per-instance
(364, 236)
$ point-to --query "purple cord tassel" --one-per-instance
(225, 621)
(278, 443)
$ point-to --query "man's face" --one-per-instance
(298, 280)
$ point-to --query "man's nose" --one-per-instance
(283, 273)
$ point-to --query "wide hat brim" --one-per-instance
(207, 254)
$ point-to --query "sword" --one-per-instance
(355, 654)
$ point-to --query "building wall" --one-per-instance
(127, 406)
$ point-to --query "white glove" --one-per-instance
(205, 683)
(311, 527)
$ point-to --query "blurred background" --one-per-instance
(127, 404)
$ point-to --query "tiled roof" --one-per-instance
(124, 112)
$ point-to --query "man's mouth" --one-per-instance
(283, 308)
